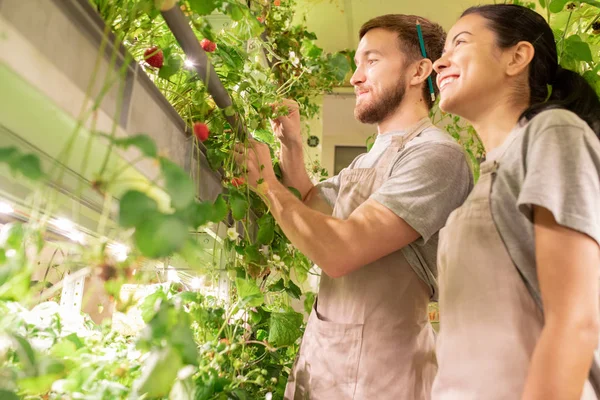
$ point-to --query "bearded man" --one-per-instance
(372, 229)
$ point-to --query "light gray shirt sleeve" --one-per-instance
(329, 189)
(562, 174)
(427, 182)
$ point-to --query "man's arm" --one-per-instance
(413, 203)
(339, 246)
(287, 129)
(294, 175)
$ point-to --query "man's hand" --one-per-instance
(256, 161)
(287, 127)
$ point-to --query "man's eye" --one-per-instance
(372, 61)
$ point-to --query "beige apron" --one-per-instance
(489, 322)
(368, 337)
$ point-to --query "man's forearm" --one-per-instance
(316, 235)
(293, 169)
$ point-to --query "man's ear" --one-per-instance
(423, 68)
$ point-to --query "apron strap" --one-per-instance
(399, 142)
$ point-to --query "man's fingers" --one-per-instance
(239, 148)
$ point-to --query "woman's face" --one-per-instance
(471, 71)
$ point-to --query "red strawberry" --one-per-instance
(208, 46)
(201, 131)
(237, 182)
(154, 57)
(277, 3)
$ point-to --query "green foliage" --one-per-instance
(27, 165)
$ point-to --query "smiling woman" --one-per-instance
(519, 260)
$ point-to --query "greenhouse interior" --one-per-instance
(141, 259)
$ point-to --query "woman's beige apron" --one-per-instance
(489, 322)
(368, 336)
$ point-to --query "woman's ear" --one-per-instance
(520, 56)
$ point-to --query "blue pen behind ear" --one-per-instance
(424, 54)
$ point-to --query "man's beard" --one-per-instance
(378, 110)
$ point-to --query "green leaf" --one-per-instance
(578, 49)
(309, 301)
(293, 290)
(28, 165)
(160, 235)
(150, 304)
(38, 385)
(26, 354)
(265, 136)
(63, 348)
(249, 293)
(202, 213)
(159, 372)
(277, 286)
(296, 192)
(557, 6)
(203, 7)
(134, 208)
(220, 210)
(239, 205)
(235, 11)
(215, 158)
(183, 390)
(182, 340)
(240, 394)
(171, 67)
(543, 3)
(285, 328)
(253, 255)
(340, 66)
(266, 229)
(7, 153)
(8, 395)
(142, 141)
(13, 236)
(178, 184)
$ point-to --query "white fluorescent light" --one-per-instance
(172, 275)
(196, 283)
(6, 208)
(119, 251)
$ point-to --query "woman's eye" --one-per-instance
(459, 41)
(371, 61)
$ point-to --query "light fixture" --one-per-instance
(119, 251)
(6, 208)
(69, 230)
(196, 283)
(172, 275)
(189, 64)
(64, 224)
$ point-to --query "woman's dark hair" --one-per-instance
(513, 24)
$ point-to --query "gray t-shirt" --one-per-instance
(553, 162)
(430, 177)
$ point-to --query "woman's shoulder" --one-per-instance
(556, 119)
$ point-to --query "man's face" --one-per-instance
(379, 80)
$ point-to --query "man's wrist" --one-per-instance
(292, 144)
